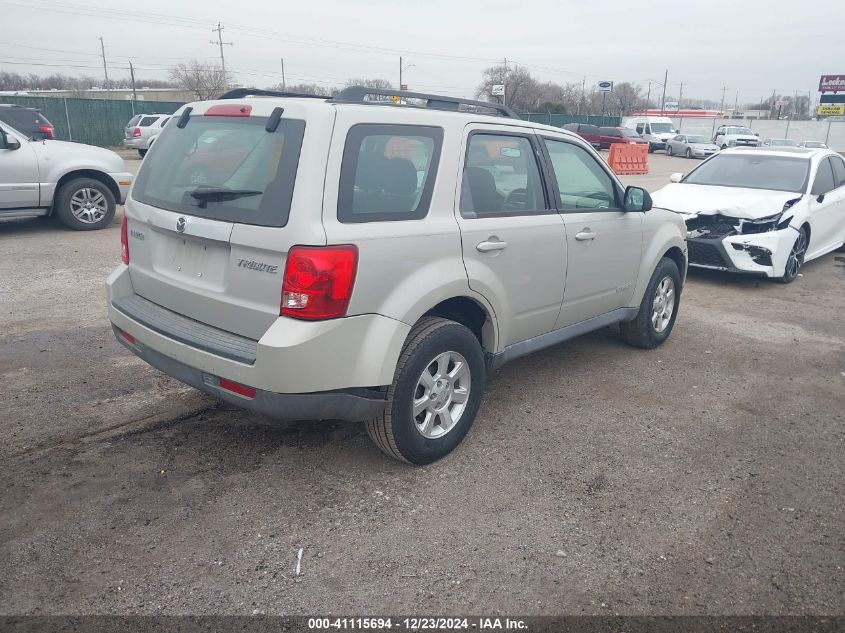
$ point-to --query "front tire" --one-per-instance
(796, 258)
(689, 153)
(85, 204)
(435, 394)
(658, 309)
(668, 150)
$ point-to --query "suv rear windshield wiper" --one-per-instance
(220, 194)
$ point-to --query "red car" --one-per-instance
(586, 131)
(608, 135)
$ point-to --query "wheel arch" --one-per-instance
(471, 313)
(94, 174)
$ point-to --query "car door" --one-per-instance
(513, 239)
(604, 242)
(826, 209)
(838, 165)
(19, 185)
(678, 144)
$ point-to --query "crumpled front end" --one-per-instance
(738, 245)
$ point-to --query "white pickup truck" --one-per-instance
(735, 136)
(80, 184)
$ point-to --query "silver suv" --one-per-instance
(372, 256)
(143, 130)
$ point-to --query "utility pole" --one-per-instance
(105, 68)
(680, 95)
(220, 43)
(722, 106)
(583, 99)
(400, 72)
(284, 86)
(648, 96)
(736, 102)
(663, 100)
(505, 84)
(132, 76)
(772, 106)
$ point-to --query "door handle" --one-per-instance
(490, 246)
(585, 235)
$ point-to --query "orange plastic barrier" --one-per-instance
(628, 159)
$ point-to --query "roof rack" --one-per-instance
(238, 93)
(359, 94)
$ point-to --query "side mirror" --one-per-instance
(636, 199)
(676, 177)
(8, 142)
(820, 198)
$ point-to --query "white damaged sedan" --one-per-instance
(761, 211)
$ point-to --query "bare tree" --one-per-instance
(204, 81)
(379, 84)
(305, 89)
(625, 98)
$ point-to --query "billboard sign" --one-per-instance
(605, 86)
(831, 109)
(832, 83)
(498, 90)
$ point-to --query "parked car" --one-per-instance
(764, 211)
(586, 131)
(735, 136)
(27, 121)
(691, 146)
(657, 130)
(610, 135)
(370, 261)
(79, 184)
(779, 142)
(142, 131)
(813, 145)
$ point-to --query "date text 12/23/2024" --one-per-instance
(417, 624)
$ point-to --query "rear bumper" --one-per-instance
(301, 370)
(135, 143)
(342, 404)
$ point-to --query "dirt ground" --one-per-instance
(704, 477)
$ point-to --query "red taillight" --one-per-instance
(46, 129)
(136, 132)
(318, 281)
(124, 242)
(237, 388)
(126, 336)
(229, 109)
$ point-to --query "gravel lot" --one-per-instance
(705, 477)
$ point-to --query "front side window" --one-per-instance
(224, 168)
(388, 172)
(501, 177)
(824, 181)
(838, 170)
(583, 184)
(640, 128)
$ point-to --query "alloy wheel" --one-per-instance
(441, 395)
(796, 256)
(88, 205)
(663, 305)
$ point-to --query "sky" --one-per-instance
(750, 48)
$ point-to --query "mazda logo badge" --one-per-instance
(181, 223)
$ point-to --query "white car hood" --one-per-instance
(78, 155)
(733, 202)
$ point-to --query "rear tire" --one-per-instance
(85, 204)
(658, 311)
(668, 150)
(455, 391)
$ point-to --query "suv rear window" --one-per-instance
(147, 121)
(134, 121)
(236, 170)
(388, 172)
(23, 119)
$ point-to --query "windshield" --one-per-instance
(223, 168)
(632, 133)
(697, 139)
(816, 144)
(739, 130)
(782, 142)
(778, 173)
(661, 128)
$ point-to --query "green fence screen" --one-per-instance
(559, 120)
(93, 121)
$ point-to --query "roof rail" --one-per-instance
(238, 93)
(359, 94)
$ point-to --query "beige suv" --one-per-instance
(372, 256)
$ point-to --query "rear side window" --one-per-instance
(501, 177)
(388, 172)
(22, 119)
(589, 129)
(224, 168)
(147, 121)
(134, 121)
